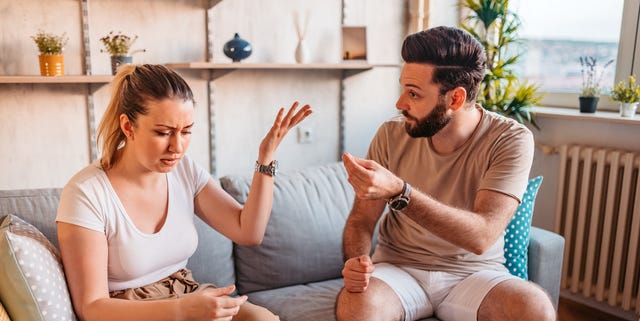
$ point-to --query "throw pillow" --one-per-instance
(32, 283)
(3, 314)
(516, 239)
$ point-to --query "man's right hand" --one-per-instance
(357, 272)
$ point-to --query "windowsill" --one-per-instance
(573, 113)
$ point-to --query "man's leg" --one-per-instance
(496, 296)
(517, 299)
(377, 302)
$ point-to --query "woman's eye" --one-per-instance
(160, 133)
(412, 94)
(186, 133)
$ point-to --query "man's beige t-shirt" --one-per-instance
(496, 157)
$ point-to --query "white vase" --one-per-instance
(302, 52)
(628, 109)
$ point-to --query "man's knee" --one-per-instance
(378, 302)
(517, 298)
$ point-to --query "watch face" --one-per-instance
(399, 204)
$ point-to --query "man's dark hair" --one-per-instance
(458, 58)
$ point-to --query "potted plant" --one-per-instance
(50, 47)
(496, 28)
(628, 94)
(591, 77)
(118, 45)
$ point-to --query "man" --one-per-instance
(453, 174)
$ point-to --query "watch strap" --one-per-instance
(270, 169)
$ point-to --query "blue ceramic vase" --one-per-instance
(237, 48)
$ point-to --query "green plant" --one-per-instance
(496, 27)
(50, 44)
(591, 76)
(628, 92)
(118, 44)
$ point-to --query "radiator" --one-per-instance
(598, 213)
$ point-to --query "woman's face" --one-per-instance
(161, 137)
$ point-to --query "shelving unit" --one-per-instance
(71, 79)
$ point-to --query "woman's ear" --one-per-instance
(457, 98)
(126, 126)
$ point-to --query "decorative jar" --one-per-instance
(237, 48)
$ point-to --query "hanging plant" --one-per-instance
(496, 28)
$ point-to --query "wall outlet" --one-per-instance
(305, 135)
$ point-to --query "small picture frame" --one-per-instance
(354, 43)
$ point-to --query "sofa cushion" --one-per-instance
(303, 239)
(213, 260)
(516, 239)
(32, 282)
(37, 206)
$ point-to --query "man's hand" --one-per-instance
(370, 180)
(357, 272)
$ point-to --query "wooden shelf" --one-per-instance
(71, 79)
(220, 69)
(258, 66)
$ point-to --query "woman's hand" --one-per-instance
(213, 304)
(280, 128)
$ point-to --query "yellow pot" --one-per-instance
(51, 65)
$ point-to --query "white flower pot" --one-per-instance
(628, 109)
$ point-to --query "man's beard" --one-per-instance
(430, 124)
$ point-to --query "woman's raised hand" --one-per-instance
(280, 128)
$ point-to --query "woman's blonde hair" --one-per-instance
(133, 87)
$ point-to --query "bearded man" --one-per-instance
(452, 175)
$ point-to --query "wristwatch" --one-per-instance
(401, 200)
(270, 169)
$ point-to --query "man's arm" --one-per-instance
(360, 226)
(356, 243)
(475, 230)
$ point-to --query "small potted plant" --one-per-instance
(591, 77)
(50, 47)
(118, 45)
(628, 94)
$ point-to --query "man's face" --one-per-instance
(421, 103)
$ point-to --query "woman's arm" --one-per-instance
(84, 256)
(246, 225)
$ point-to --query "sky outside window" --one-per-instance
(558, 32)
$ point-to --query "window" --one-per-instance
(557, 33)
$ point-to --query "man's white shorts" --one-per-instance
(448, 296)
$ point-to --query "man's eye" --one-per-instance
(186, 133)
(160, 133)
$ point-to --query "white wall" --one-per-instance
(44, 128)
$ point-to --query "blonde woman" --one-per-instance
(126, 222)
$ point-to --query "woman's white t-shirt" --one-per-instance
(135, 258)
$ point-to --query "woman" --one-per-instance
(125, 223)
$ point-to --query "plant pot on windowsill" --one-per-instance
(628, 109)
(588, 104)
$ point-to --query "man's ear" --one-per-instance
(126, 126)
(457, 98)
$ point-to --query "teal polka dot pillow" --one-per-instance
(516, 239)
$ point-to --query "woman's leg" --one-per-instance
(252, 312)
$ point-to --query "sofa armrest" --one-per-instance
(546, 251)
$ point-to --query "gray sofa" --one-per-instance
(295, 272)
